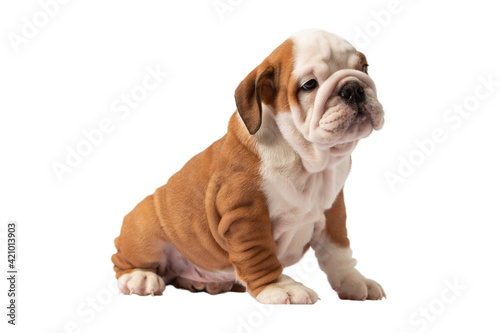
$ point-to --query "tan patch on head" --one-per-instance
(361, 61)
(266, 84)
(274, 92)
(362, 58)
(283, 61)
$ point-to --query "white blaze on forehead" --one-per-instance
(320, 53)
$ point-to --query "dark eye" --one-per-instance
(364, 68)
(309, 85)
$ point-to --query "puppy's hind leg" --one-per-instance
(140, 260)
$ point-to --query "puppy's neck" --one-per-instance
(283, 145)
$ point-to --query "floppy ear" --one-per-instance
(256, 88)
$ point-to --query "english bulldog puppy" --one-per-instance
(254, 201)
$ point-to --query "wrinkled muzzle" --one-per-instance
(346, 108)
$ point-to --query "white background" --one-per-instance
(436, 228)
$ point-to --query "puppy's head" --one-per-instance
(316, 89)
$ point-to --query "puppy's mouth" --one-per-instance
(345, 116)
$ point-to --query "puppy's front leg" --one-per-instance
(245, 227)
(331, 246)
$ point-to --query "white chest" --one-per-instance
(297, 201)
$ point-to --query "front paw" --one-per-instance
(354, 286)
(287, 291)
(141, 282)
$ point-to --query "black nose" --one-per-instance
(352, 92)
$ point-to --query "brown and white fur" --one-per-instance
(256, 200)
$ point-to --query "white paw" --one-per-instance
(354, 286)
(141, 282)
(287, 291)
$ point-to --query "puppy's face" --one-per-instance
(316, 87)
(336, 99)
